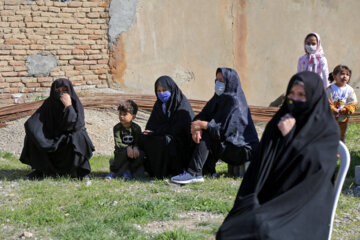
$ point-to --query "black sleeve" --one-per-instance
(69, 119)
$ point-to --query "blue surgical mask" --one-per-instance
(164, 96)
(219, 88)
(310, 48)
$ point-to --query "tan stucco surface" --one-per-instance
(262, 40)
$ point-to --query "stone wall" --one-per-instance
(43, 40)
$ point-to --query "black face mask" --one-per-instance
(295, 107)
(58, 94)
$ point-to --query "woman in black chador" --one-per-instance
(56, 141)
(287, 191)
(166, 140)
(222, 130)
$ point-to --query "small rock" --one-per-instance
(27, 235)
(11, 195)
(67, 214)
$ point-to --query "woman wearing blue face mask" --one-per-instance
(223, 129)
(167, 140)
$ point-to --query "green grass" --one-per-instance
(70, 209)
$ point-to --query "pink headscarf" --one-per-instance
(313, 62)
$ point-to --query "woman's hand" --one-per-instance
(66, 99)
(198, 125)
(196, 136)
(287, 122)
(147, 132)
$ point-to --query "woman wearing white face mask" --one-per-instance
(223, 129)
(314, 59)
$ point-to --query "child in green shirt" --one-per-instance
(128, 158)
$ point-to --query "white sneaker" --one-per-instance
(186, 178)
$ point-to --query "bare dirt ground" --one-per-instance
(99, 125)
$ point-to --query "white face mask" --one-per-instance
(219, 88)
(310, 48)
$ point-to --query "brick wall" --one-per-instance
(74, 32)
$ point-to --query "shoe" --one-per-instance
(186, 178)
(35, 175)
(110, 176)
(127, 176)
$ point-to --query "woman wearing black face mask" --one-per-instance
(56, 141)
(287, 191)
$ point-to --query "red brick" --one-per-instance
(90, 4)
(90, 62)
(16, 63)
(15, 18)
(4, 85)
(13, 41)
(41, 89)
(86, 31)
(37, 47)
(70, 20)
(12, 79)
(76, 78)
(21, 47)
(82, 67)
(86, 10)
(103, 61)
(44, 79)
(101, 71)
(95, 37)
(55, 20)
(77, 26)
(20, 68)
(6, 68)
(58, 31)
(28, 90)
(97, 9)
(28, 79)
(32, 84)
(81, 37)
(41, 19)
(103, 76)
(89, 52)
(65, 57)
(83, 46)
(3, 63)
(46, 84)
(5, 96)
(104, 15)
(92, 26)
(7, 13)
(74, 4)
(11, 90)
(19, 57)
(77, 51)
(98, 66)
(9, 74)
(81, 57)
(95, 57)
(79, 83)
(69, 10)
(54, 9)
(18, 52)
(18, 85)
(76, 62)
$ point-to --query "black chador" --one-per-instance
(167, 146)
(56, 141)
(287, 191)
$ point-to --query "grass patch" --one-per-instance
(64, 208)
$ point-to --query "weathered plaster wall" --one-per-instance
(261, 39)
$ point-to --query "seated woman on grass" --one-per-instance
(224, 128)
(56, 141)
(166, 140)
(287, 191)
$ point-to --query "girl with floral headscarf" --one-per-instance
(314, 59)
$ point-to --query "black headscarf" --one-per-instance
(47, 124)
(229, 113)
(178, 115)
(287, 192)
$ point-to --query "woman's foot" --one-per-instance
(35, 175)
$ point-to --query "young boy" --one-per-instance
(128, 158)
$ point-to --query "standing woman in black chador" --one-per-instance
(287, 191)
(223, 129)
(56, 141)
(166, 140)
